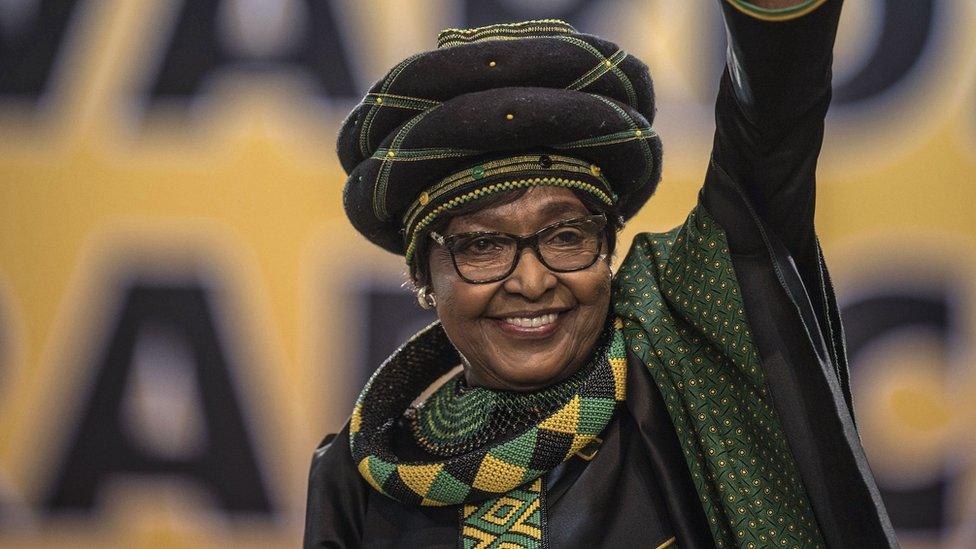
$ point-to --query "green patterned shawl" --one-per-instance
(683, 316)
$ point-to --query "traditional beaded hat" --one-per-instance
(492, 109)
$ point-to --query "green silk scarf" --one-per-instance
(682, 312)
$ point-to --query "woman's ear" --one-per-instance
(417, 277)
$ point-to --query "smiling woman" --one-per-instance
(536, 326)
(697, 399)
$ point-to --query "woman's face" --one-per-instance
(490, 323)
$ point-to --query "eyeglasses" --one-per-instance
(487, 256)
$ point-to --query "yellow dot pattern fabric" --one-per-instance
(678, 298)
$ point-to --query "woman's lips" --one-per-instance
(532, 322)
(532, 327)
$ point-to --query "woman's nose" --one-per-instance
(530, 278)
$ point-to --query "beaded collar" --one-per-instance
(486, 458)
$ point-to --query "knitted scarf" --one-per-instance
(491, 447)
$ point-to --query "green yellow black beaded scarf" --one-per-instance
(493, 472)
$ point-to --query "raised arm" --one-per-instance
(769, 117)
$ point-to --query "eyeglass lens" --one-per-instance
(568, 246)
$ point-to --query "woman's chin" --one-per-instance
(528, 375)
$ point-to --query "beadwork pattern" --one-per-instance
(457, 418)
(513, 166)
(501, 31)
(515, 520)
(481, 473)
(497, 484)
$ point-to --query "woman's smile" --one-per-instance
(527, 325)
(536, 326)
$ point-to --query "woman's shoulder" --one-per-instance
(336, 494)
(332, 460)
(650, 252)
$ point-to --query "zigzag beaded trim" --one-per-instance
(539, 27)
(501, 187)
(776, 14)
(492, 168)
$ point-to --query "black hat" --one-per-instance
(496, 108)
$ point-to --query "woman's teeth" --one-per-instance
(533, 322)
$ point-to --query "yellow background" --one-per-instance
(244, 193)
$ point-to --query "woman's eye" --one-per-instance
(478, 245)
(566, 237)
(482, 244)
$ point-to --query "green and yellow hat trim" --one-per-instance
(501, 175)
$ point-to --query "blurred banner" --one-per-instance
(185, 311)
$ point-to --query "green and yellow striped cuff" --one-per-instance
(776, 14)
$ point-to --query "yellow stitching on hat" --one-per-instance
(407, 97)
(492, 39)
(400, 101)
(646, 133)
(645, 148)
(488, 31)
(510, 34)
(383, 174)
(599, 70)
(478, 30)
(624, 80)
(411, 155)
(368, 117)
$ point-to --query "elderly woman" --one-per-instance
(697, 398)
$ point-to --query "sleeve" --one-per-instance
(760, 186)
(769, 118)
(336, 496)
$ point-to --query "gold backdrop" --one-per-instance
(185, 312)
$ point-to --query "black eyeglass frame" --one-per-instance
(522, 242)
